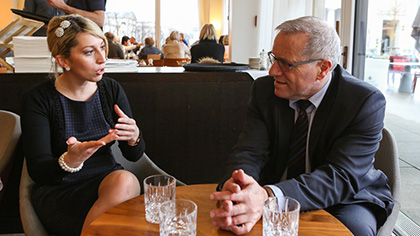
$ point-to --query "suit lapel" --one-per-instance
(284, 120)
(321, 116)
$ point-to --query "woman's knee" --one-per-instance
(120, 184)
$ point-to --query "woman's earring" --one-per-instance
(67, 68)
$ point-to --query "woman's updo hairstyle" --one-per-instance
(62, 33)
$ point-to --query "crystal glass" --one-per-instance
(157, 189)
(178, 218)
(280, 216)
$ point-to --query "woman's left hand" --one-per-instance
(126, 127)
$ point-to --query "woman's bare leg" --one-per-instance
(115, 188)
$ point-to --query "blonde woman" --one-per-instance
(69, 124)
(175, 49)
(208, 46)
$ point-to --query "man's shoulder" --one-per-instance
(348, 86)
(349, 81)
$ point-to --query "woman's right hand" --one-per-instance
(78, 152)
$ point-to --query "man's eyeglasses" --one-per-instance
(284, 66)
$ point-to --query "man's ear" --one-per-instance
(324, 69)
(61, 61)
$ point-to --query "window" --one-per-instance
(182, 16)
(136, 18)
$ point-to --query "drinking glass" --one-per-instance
(280, 216)
(157, 189)
(178, 218)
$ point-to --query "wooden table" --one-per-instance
(128, 218)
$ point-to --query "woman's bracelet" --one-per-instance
(67, 168)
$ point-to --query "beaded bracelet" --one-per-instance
(67, 168)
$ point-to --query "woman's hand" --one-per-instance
(126, 128)
(78, 152)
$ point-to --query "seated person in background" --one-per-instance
(93, 10)
(182, 39)
(41, 7)
(114, 50)
(173, 48)
(208, 46)
(329, 166)
(129, 48)
(133, 42)
(68, 126)
(226, 44)
(149, 49)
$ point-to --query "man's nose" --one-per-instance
(275, 70)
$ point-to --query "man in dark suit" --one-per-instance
(345, 119)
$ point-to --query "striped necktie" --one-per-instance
(297, 150)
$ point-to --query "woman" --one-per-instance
(173, 48)
(208, 46)
(69, 124)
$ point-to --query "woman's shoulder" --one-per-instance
(44, 88)
(108, 82)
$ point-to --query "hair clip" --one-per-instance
(59, 32)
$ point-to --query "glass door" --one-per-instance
(391, 60)
(391, 63)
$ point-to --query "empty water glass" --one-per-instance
(157, 189)
(178, 218)
(280, 216)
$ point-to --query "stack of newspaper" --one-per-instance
(119, 65)
(31, 54)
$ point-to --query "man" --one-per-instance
(114, 50)
(129, 48)
(92, 9)
(336, 156)
(149, 48)
(41, 7)
(133, 42)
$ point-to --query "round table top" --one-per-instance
(128, 218)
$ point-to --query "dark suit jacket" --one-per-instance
(344, 137)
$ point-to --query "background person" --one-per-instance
(182, 39)
(114, 49)
(41, 7)
(68, 126)
(129, 48)
(134, 42)
(331, 167)
(208, 46)
(149, 48)
(93, 10)
(173, 48)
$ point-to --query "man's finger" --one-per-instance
(219, 213)
(220, 196)
(241, 178)
(242, 229)
(232, 187)
(222, 222)
(227, 205)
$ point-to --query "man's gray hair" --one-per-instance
(323, 41)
